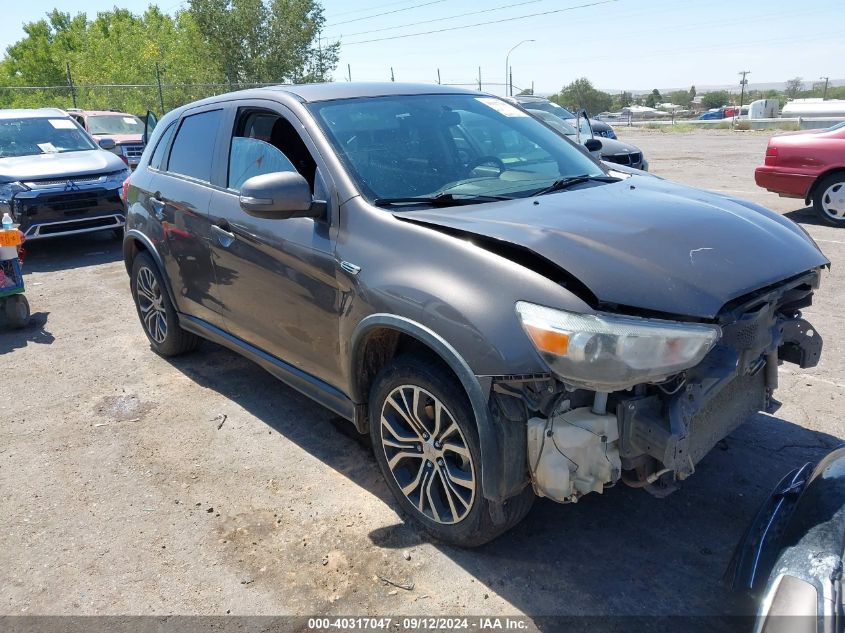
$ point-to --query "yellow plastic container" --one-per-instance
(10, 237)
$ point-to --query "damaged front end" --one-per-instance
(583, 436)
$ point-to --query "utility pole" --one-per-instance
(479, 79)
(438, 76)
(826, 81)
(70, 83)
(392, 78)
(160, 93)
(510, 81)
(320, 55)
(348, 72)
(743, 83)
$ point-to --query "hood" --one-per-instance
(59, 165)
(646, 243)
(611, 146)
(120, 138)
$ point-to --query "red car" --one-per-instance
(808, 165)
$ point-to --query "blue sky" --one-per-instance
(618, 44)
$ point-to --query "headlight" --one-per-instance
(116, 178)
(606, 352)
(7, 192)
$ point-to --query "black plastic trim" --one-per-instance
(319, 391)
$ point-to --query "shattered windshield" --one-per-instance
(399, 147)
(49, 135)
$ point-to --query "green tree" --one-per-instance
(581, 94)
(680, 97)
(793, 87)
(653, 98)
(253, 41)
(622, 100)
(692, 93)
(715, 99)
(264, 41)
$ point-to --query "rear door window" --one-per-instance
(193, 147)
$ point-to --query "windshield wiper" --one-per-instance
(565, 183)
(440, 200)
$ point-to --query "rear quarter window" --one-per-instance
(193, 147)
(157, 159)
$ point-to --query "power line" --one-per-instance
(470, 26)
(449, 17)
(376, 15)
(378, 6)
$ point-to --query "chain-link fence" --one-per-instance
(134, 98)
(138, 98)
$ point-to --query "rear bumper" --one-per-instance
(788, 184)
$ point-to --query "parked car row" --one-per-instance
(532, 102)
(606, 149)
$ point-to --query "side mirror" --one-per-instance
(107, 143)
(593, 145)
(279, 196)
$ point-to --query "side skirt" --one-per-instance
(319, 391)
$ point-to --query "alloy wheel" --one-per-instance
(151, 305)
(427, 454)
(833, 201)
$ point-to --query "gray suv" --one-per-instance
(500, 313)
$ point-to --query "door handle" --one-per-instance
(158, 207)
(224, 237)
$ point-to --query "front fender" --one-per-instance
(478, 397)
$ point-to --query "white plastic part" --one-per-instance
(573, 453)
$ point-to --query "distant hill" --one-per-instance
(772, 85)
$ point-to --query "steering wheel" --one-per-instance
(485, 160)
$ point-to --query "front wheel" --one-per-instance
(425, 441)
(829, 199)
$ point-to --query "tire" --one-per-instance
(157, 314)
(438, 465)
(829, 199)
(17, 311)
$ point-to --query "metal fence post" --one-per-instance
(160, 93)
(70, 83)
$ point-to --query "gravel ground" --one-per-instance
(131, 484)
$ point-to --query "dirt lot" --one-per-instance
(130, 484)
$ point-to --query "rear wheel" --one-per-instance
(157, 314)
(426, 443)
(829, 199)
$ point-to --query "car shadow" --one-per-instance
(804, 215)
(34, 332)
(623, 553)
(78, 251)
